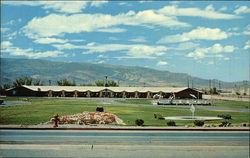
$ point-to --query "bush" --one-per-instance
(225, 124)
(171, 123)
(226, 117)
(139, 122)
(158, 116)
(199, 123)
(100, 109)
(155, 115)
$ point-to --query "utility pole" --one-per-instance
(209, 84)
(106, 85)
(188, 82)
(192, 83)
(106, 81)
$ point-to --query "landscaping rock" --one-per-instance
(86, 118)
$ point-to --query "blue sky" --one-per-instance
(204, 39)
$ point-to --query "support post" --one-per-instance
(50, 93)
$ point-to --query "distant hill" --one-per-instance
(89, 73)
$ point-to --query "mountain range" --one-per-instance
(83, 73)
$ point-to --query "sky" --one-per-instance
(205, 39)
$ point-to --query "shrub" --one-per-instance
(225, 124)
(139, 122)
(100, 109)
(199, 123)
(158, 116)
(155, 115)
(171, 123)
(226, 117)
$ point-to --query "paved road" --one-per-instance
(127, 144)
(13, 103)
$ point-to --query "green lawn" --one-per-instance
(41, 110)
(231, 104)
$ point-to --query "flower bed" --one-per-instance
(90, 118)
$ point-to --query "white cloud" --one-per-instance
(213, 51)
(4, 29)
(209, 8)
(65, 6)
(77, 40)
(113, 38)
(98, 3)
(49, 40)
(67, 46)
(185, 46)
(19, 3)
(5, 44)
(242, 10)
(210, 63)
(223, 8)
(100, 62)
(101, 56)
(138, 39)
(12, 35)
(132, 51)
(7, 47)
(124, 3)
(200, 33)
(59, 6)
(54, 24)
(11, 22)
(161, 63)
(234, 29)
(208, 13)
(111, 30)
(247, 45)
(247, 30)
(150, 16)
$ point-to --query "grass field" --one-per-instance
(41, 110)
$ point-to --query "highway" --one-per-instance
(123, 143)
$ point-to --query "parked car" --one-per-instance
(1, 101)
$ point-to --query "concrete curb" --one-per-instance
(130, 129)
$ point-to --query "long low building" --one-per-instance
(111, 92)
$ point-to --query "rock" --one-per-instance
(91, 118)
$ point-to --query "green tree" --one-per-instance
(22, 81)
(99, 83)
(38, 83)
(4, 87)
(108, 84)
(87, 84)
(66, 82)
(112, 84)
(213, 90)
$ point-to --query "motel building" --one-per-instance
(104, 92)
